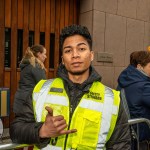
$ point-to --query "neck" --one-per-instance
(78, 78)
(142, 71)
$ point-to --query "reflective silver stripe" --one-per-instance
(56, 99)
(41, 99)
(46, 83)
(115, 110)
(35, 96)
(50, 147)
(89, 104)
(108, 110)
(44, 87)
(104, 148)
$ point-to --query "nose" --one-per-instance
(75, 54)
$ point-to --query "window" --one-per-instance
(42, 38)
(19, 46)
(31, 38)
(7, 47)
(52, 49)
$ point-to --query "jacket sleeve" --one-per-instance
(121, 137)
(24, 129)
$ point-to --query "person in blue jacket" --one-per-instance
(135, 80)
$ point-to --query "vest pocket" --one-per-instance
(90, 128)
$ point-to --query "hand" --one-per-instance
(54, 125)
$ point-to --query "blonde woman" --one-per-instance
(32, 71)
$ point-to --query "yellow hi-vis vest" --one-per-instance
(94, 118)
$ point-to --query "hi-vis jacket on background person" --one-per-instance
(94, 118)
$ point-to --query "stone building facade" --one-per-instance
(118, 27)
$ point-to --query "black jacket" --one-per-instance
(24, 129)
(29, 77)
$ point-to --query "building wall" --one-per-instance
(118, 27)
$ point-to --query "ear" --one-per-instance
(62, 60)
(38, 54)
(139, 66)
(92, 55)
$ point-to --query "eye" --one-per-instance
(67, 51)
(82, 49)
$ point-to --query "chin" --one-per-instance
(78, 72)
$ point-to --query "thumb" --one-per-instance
(50, 110)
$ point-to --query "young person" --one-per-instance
(74, 110)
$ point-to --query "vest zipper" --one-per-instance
(70, 116)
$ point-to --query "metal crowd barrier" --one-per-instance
(136, 133)
(10, 146)
(139, 120)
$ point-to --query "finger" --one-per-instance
(58, 118)
(61, 128)
(50, 110)
(60, 123)
(73, 130)
(68, 131)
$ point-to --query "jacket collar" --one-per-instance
(62, 73)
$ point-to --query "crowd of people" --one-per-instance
(76, 110)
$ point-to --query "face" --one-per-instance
(145, 69)
(42, 56)
(76, 55)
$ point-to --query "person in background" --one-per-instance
(32, 71)
(135, 80)
(75, 110)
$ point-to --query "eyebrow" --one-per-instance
(81, 44)
(77, 45)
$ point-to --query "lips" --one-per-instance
(76, 64)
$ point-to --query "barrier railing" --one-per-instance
(12, 146)
(136, 122)
(8, 146)
(139, 120)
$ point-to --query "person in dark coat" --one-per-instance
(32, 71)
(78, 80)
(135, 80)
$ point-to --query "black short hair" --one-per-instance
(75, 30)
